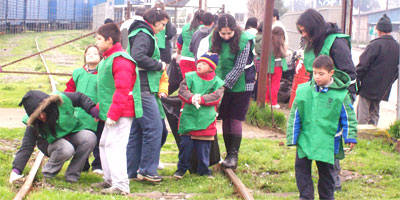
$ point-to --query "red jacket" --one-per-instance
(124, 77)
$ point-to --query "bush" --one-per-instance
(261, 117)
(394, 129)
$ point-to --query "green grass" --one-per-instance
(64, 60)
(261, 117)
(265, 167)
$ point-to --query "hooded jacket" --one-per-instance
(142, 49)
(318, 115)
(378, 68)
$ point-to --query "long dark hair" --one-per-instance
(52, 115)
(278, 42)
(228, 21)
(315, 26)
(196, 22)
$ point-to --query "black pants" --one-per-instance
(326, 183)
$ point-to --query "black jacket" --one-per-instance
(142, 49)
(377, 69)
(341, 53)
(30, 140)
(170, 32)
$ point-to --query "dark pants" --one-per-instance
(96, 164)
(326, 183)
(202, 148)
(144, 145)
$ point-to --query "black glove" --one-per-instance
(94, 112)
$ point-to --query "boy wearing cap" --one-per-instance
(376, 72)
(201, 92)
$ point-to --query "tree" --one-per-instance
(256, 8)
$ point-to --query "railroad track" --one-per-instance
(28, 184)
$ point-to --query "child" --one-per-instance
(277, 65)
(118, 104)
(200, 92)
(84, 80)
(321, 110)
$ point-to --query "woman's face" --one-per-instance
(226, 33)
(92, 56)
(303, 32)
(160, 25)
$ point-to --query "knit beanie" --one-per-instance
(35, 101)
(210, 58)
(384, 24)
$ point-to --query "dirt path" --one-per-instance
(11, 118)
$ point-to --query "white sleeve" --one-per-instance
(204, 47)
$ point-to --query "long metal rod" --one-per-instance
(398, 93)
(37, 73)
(51, 48)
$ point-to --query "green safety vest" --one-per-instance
(67, 122)
(106, 85)
(85, 83)
(193, 119)
(161, 39)
(152, 76)
(309, 56)
(227, 61)
(319, 114)
(187, 38)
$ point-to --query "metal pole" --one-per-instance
(398, 94)
(265, 53)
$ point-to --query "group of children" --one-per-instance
(322, 113)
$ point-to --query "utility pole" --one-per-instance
(200, 2)
(265, 52)
(205, 5)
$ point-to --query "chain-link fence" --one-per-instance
(43, 15)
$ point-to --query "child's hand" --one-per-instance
(196, 99)
(162, 95)
(352, 145)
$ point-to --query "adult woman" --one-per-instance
(187, 62)
(57, 132)
(236, 69)
(143, 150)
(84, 80)
(327, 39)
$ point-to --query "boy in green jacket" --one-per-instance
(322, 114)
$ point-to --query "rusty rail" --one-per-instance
(243, 191)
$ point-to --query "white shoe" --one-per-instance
(160, 166)
(277, 106)
(98, 171)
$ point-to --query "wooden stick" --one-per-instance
(27, 186)
(243, 191)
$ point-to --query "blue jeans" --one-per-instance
(202, 148)
(144, 145)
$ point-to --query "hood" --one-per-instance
(340, 80)
(332, 28)
(36, 101)
(140, 24)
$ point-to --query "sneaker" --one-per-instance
(277, 106)
(179, 173)
(100, 185)
(160, 166)
(146, 177)
(98, 171)
(113, 190)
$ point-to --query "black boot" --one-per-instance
(233, 152)
(227, 140)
